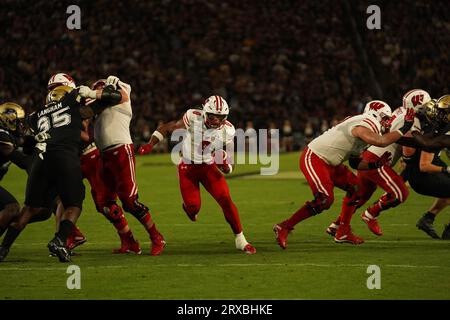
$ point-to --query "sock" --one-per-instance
(120, 224)
(301, 214)
(126, 237)
(153, 232)
(429, 215)
(65, 228)
(10, 237)
(347, 212)
(375, 209)
(231, 215)
(240, 241)
(149, 225)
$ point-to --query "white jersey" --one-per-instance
(200, 142)
(398, 120)
(112, 125)
(337, 144)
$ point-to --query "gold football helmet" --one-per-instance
(57, 93)
(429, 110)
(11, 116)
(443, 109)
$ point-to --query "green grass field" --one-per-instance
(201, 262)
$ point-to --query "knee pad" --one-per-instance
(113, 212)
(320, 203)
(136, 208)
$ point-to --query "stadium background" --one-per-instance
(294, 65)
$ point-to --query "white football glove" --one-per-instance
(42, 137)
(112, 81)
(42, 147)
(86, 92)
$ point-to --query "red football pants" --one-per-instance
(90, 168)
(192, 175)
(322, 177)
(119, 175)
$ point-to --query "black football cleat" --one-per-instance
(3, 253)
(57, 248)
(446, 233)
(426, 224)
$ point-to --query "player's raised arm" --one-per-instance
(384, 140)
(104, 94)
(160, 133)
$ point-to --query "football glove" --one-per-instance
(86, 92)
(409, 121)
(112, 81)
(145, 149)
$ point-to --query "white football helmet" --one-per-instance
(215, 111)
(381, 111)
(415, 98)
(60, 79)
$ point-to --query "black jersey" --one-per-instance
(62, 121)
(6, 138)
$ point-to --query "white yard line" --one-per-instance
(229, 265)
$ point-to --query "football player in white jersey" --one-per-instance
(322, 164)
(203, 160)
(113, 139)
(384, 176)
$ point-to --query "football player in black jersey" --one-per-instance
(58, 165)
(425, 170)
(11, 123)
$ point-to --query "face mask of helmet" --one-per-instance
(214, 121)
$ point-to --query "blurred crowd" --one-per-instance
(288, 64)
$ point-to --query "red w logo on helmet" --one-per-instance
(417, 100)
(376, 106)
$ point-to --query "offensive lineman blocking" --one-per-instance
(322, 164)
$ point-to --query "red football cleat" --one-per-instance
(75, 239)
(158, 244)
(129, 247)
(128, 244)
(344, 235)
(281, 234)
(372, 223)
(249, 249)
(332, 229)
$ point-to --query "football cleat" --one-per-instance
(129, 247)
(3, 253)
(249, 249)
(158, 245)
(372, 223)
(281, 234)
(344, 235)
(75, 239)
(192, 217)
(332, 229)
(57, 248)
(426, 224)
(446, 233)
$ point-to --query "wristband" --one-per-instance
(158, 135)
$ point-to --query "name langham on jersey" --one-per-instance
(50, 109)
